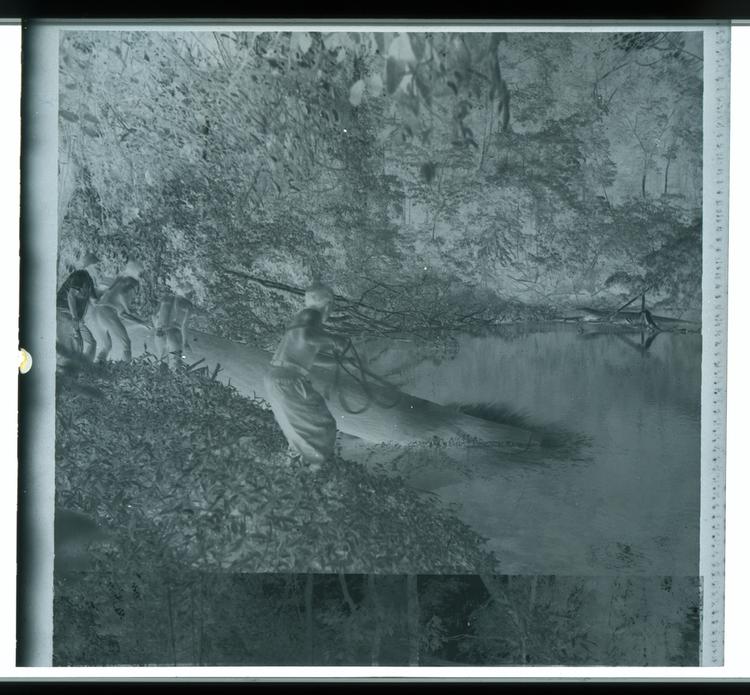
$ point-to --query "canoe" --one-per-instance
(409, 420)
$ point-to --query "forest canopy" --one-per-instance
(524, 173)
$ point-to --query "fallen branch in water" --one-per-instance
(442, 312)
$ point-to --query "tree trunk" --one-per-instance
(201, 631)
(193, 627)
(372, 595)
(68, 175)
(347, 596)
(309, 619)
(412, 617)
(666, 175)
(532, 593)
(170, 615)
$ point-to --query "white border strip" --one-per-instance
(737, 617)
(40, 135)
(10, 189)
(713, 364)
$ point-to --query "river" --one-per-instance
(628, 503)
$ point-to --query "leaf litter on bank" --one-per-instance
(214, 488)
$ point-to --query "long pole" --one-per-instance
(641, 293)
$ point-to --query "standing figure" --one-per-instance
(73, 299)
(299, 409)
(171, 323)
(107, 313)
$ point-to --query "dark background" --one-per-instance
(384, 10)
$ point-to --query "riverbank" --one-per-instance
(189, 471)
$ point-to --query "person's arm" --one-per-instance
(340, 341)
(321, 338)
(92, 289)
(130, 286)
(130, 316)
(326, 359)
(136, 319)
(162, 314)
(185, 317)
(183, 325)
(332, 345)
(73, 306)
(126, 294)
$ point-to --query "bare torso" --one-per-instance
(119, 294)
(303, 340)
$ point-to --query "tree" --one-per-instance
(483, 169)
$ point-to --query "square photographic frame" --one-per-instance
(36, 250)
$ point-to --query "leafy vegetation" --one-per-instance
(514, 174)
(151, 614)
(186, 468)
(440, 183)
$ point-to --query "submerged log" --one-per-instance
(409, 420)
(631, 319)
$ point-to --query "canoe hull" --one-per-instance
(409, 420)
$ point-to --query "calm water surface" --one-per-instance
(630, 504)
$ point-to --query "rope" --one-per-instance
(362, 380)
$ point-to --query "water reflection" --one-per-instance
(631, 506)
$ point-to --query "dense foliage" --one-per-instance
(187, 468)
(207, 518)
(424, 171)
(440, 183)
(151, 614)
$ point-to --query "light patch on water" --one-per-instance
(631, 505)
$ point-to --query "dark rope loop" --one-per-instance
(340, 366)
(362, 380)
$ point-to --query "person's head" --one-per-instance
(133, 269)
(87, 260)
(319, 297)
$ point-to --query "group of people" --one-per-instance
(91, 318)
